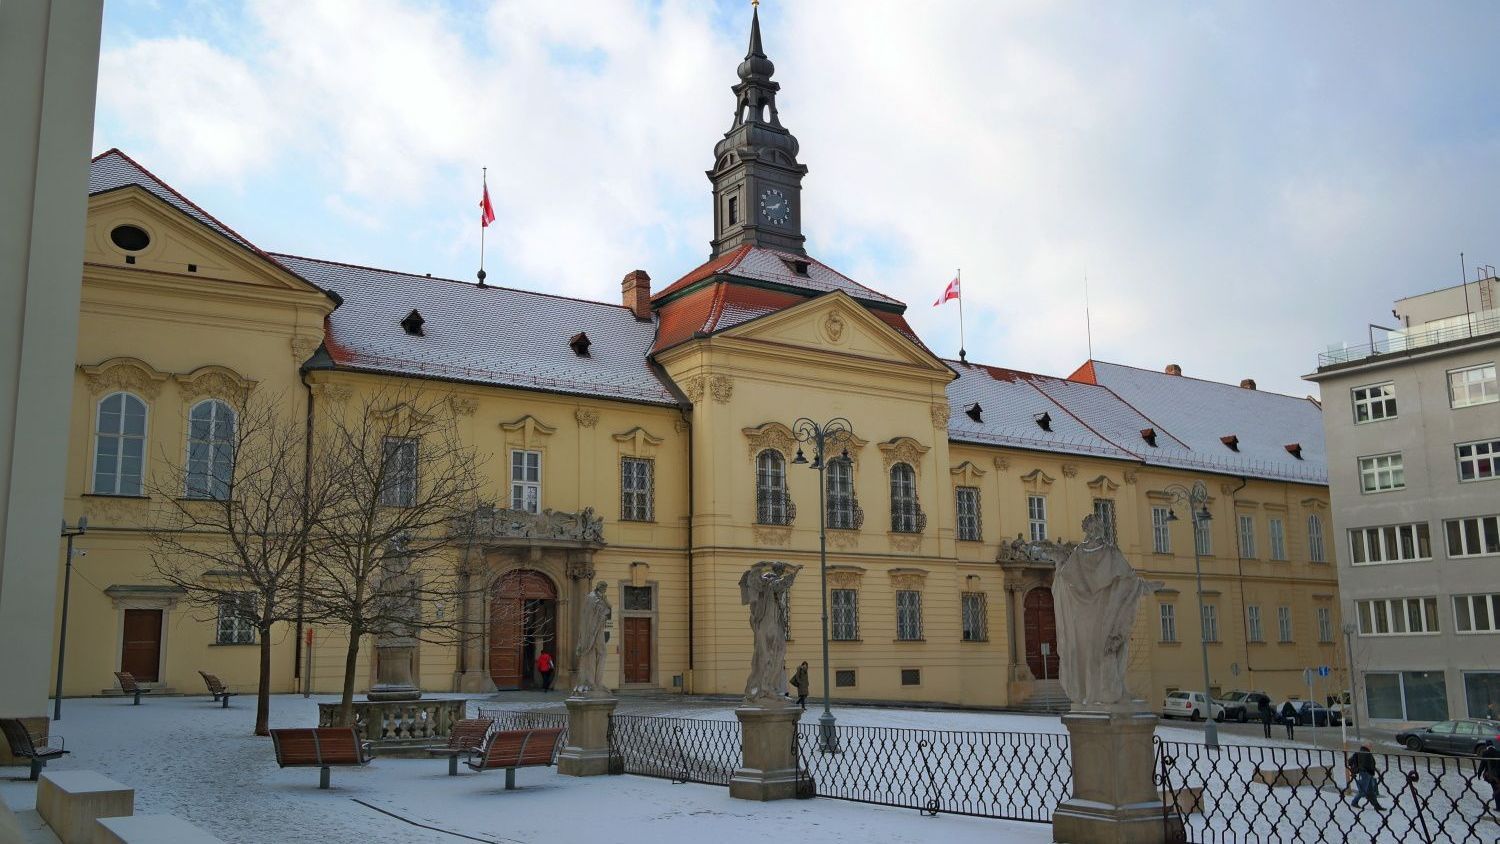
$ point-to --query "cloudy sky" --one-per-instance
(1242, 183)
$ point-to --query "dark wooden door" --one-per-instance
(520, 601)
(141, 652)
(637, 650)
(1041, 626)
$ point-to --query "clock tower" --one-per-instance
(756, 178)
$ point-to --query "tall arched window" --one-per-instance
(841, 504)
(772, 504)
(904, 499)
(210, 463)
(119, 445)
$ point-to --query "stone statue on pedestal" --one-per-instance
(593, 636)
(763, 587)
(1094, 596)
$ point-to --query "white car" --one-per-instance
(1191, 705)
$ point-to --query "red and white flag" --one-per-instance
(949, 292)
(486, 210)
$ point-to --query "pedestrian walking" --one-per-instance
(1363, 766)
(1289, 717)
(1489, 771)
(548, 667)
(1263, 706)
(799, 680)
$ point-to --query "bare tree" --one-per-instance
(240, 510)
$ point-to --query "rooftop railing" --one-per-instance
(1430, 334)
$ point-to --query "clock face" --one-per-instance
(775, 207)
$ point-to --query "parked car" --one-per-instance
(1241, 705)
(1191, 705)
(1309, 712)
(1342, 709)
(1466, 738)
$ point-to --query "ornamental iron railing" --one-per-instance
(678, 749)
(520, 719)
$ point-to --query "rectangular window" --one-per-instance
(1278, 539)
(1161, 530)
(236, 619)
(1482, 689)
(526, 481)
(1374, 403)
(1397, 616)
(636, 489)
(1284, 623)
(904, 517)
(636, 598)
(1325, 624)
(734, 210)
(1168, 623)
(845, 603)
(1252, 624)
(1476, 613)
(1477, 460)
(1203, 537)
(844, 678)
(1315, 539)
(843, 512)
(1210, 623)
(1407, 695)
(1390, 544)
(1247, 537)
(908, 615)
(1104, 510)
(1475, 536)
(911, 676)
(976, 625)
(1381, 473)
(1473, 385)
(1036, 513)
(399, 481)
(968, 513)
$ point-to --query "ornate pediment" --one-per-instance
(488, 523)
(771, 435)
(124, 373)
(903, 450)
(908, 578)
(637, 441)
(967, 474)
(218, 382)
(1103, 486)
(844, 577)
(526, 432)
(1037, 480)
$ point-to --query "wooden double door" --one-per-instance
(1041, 627)
(635, 650)
(523, 624)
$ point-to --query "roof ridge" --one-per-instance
(1200, 380)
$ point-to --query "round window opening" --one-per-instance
(130, 238)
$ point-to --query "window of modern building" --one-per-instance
(845, 604)
(908, 615)
(1397, 616)
(119, 445)
(210, 451)
(1325, 624)
(1161, 530)
(1203, 537)
(1474, 536)
(841, 505)
(399, 484)
(1315, 550)
(1104, 510)
(1476, 613)
(976, 623)
(1482, 690)
(526, 481)
(904, 499)
(1253, 629)
(1473, 385)
(1407, 695)
(1210, 623)
(636, 489)
(1247, 537)
(1036, 513)
(1168, 622)
(1278, 539)
(968, 513)
(771, 498)
(1381, 473)
(236, 619)
(1284, 624)
(1390, 544)
(1374, 402)
(1477, 461)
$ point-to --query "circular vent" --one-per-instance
(130, 238)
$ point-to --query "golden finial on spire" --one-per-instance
(755, 2)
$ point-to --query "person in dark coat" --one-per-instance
(1263, 706)
(1289, 718)
(799, 681)
(1363, 766)
(1489, 771)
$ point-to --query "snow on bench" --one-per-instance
(70, 802)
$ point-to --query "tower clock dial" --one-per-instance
(775, 207)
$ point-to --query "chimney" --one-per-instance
(636, 292)
(1248, 383)
(1174, 369)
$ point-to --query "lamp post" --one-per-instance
(1350, 628)
(820, 437)
(62, 633)
(1196, 500)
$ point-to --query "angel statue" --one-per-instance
(763, 588)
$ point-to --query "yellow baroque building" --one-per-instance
(652, 445)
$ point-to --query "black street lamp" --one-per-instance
(1196, 500)
(62, 633)
(821, 437)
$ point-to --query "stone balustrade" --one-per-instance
(396, 728)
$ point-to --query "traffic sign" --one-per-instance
(1322, 671)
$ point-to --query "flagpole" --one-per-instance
(484, 179)
(962, 353)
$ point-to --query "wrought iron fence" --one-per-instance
(520, 719)
(1017, 776)
(679, 749)
(1246, 793)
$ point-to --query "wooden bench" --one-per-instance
(468, 735)
(129, 686)
(216, 688)
(319, 747)
(24, 746)
(512, 749)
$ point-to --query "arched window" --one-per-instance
(841, 504)
(210, 463)
(772, 504)
(904, 514)
(119, 445)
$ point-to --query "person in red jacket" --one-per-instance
(547, 666)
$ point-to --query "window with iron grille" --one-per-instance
(845, 604)
(1210, 623)
(1104, 510)
(236, 619)
(1203, 537)
(1253, 629)
(526, 481)
(911, 676)
(1036, 514)
(1278, 539)
(968, 513)
(636, 598)
(1161, 530)
(1374, 402)
(637, 489)
(843, 507)
(908, 615)
(210, 463)
(1284, 623)
(1325, 624)
(844, 678)
(1479, 460)
(773, 506)
(1168, 622)
(1247, 537)
(976, 623)
(906, 516)
(1474, 536)
(399, 481)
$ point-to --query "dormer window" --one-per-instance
(1294, 449)
(413, 324)
(1149, 435)
(1044, 421)
(1232, 442)
(798, 265)
(579, 343)
(975, 412)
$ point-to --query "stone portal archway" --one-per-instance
(1041, 627)
(523, 622)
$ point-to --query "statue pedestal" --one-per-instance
(1114, 797)
(768, 756)
(587, 751)
(393, 680)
